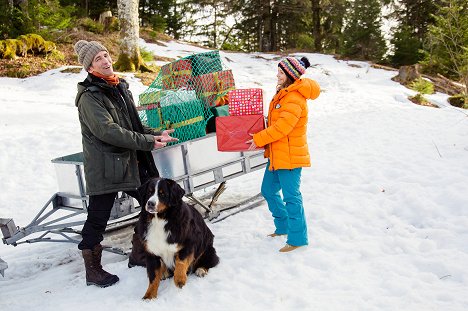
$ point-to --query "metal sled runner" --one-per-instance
(195, 165)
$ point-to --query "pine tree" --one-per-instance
(362, 35)
(407, 47)
(447, 45)
(272, 25)
(413, 17)
(161, 16)
(206, 19)
(332, 21)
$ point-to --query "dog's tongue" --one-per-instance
(151, 211)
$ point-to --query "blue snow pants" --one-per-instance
(288, 212)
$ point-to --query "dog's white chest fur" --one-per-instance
(156, 242)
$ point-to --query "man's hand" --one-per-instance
(157, 143)
(165, 136)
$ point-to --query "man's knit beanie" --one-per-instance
(294, 68)
(87, 50)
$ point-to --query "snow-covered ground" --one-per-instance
(385, 201)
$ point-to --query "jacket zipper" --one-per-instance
(271, 147)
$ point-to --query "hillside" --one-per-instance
(32, 65)
(384, 202)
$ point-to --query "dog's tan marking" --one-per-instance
(161, 207)
(181, 268)
(152, 291)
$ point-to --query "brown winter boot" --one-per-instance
(95, 275)
(138, 256)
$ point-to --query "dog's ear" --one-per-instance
(176, 192)
(143, 191)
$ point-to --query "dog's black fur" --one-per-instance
(182, 244)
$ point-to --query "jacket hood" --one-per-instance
(308, 88)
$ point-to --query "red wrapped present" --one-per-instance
(211, 86)
(245, 102)
(177, 74)
(233, 131)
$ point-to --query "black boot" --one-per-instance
(95, 275)
(138, 255)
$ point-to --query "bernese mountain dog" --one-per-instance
(176, 239)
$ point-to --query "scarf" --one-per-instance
(112, 80)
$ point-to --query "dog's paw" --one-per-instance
(148, 296)
(201, 272)
(167, 274)
(180, 280)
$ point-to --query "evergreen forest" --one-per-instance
(433, 34)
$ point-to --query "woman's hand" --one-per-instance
(252, 146)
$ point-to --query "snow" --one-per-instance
(386, 213)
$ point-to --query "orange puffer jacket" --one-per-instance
(285, 137)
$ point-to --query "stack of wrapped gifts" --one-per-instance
(177, 109)
(186, 94)
(245, 118)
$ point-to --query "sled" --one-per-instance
(195, 164)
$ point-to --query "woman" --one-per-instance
(285, 141)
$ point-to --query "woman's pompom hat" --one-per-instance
(294, 68)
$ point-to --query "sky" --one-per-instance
(385, 201)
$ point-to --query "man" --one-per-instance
(116, 149)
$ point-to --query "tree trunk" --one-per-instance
(274, 27)
(407, 74)
(215, 28)
(316, 25)
(129, 58)
(265, 35)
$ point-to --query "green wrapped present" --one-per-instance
(187, 118)
(203, 63)
(218, 111)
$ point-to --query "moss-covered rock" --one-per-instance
(2, 47)
(24, 44)
(36, 42)
(49, 46)
(460, 101)
(9, 49)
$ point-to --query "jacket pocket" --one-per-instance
(116, 165)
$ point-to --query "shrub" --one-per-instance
(419, 99)
(422, 86)
(56, 55)
(92, 26)
(158, 23)
(146, 55)
(305, 42)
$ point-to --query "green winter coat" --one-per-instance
(110, 141)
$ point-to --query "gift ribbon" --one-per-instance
(184, 123)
